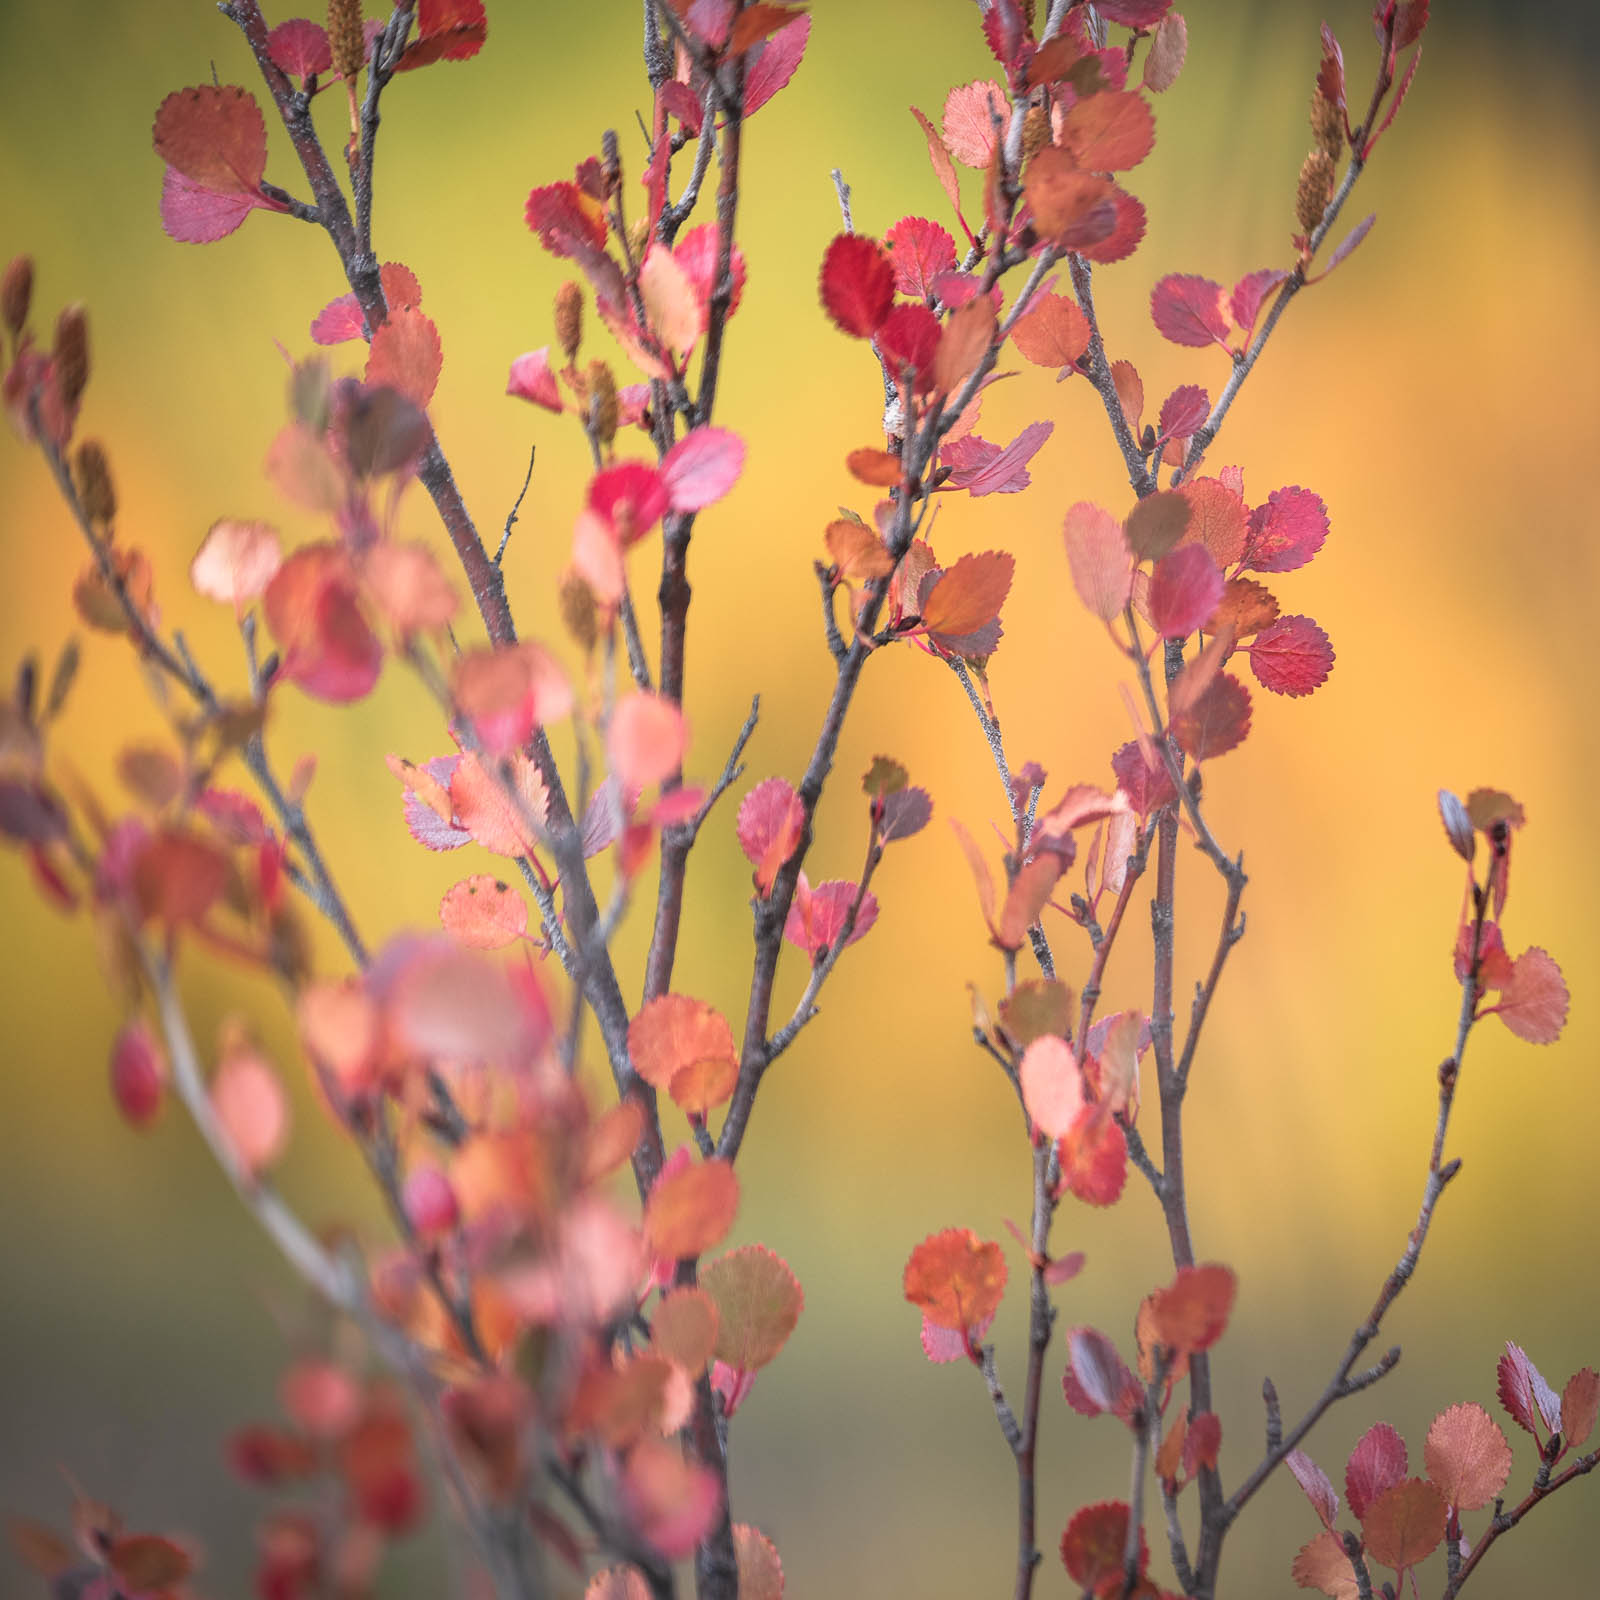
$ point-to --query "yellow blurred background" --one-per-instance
(1439, 392)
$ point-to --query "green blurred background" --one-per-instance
(1440, 393)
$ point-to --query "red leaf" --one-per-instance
(1518, 1382)
(216, 137)
(1053, 332)
(1405, 1524)
(1185, 588)
(1534, 1003)
(817, 916)
(1134, 13)
(567, 221)
(968, 124)
(1183, 412)
(982, 468)
(696, 253)
(771, 818)
(1097, 1379)
(1094, 1158)
(701, 468)
(300, 48)
(313, 609)
(447, 30)
(1102, 564)
(1191, 1313)
(920, 250)
(194, 214)
(406, 355)
(691, 1210)
(1287, 531)
(1052, 1085)
(1244, 304)
(1202, 1444)
(758, 1301)
(646, 739)
(955, 1279)
(857, 284)
(630, 496)
(969, 595)
(1147, 783)
(1216, 721)
(1292, 656)
(1318, 1486)
(138, 1074)
(1109, 132)
(1377, 1463)
(1127, 229)
(482, 913)
(1092, 1547)
(342, 319)
(1467, 1456)
(1188, 311)
(909, 337)
(773, 62)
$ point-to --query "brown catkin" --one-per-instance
(345, 37)
(71, 355)
(603, 409)
(1035, 131)
(576, 600)
(1315, 190)
(16, 294)
(1327, 124)
(569, 318)
(91, 471)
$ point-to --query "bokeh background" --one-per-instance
(1440, 393)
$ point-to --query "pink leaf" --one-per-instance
(1287, 531)
(1188, 311)
(1292, 656)
(1244, 304)
(1183, 412)
(1005, 471)
(1052, 1085)
(943, 1345)
(701, 468)
(968, 125)
(530, 379)
(300, 48)
(426, 826)
(920, 250)
(770, 821)
(1097, 1379)
(193, 214)
(1316, 1483)
(696, 253)
(1349, 244)
(1534, 1003)
(1377, 1463)
(773, 62)
(817, 916)
(1102, 564)
(1185, 588)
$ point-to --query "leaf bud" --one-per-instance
(71, 355)
(138, 1074)
(1315, 190)
(1457, 826)
(604, 411)
(345, 37)
(1327, 124)
(91, 471)
(1035, 131)
(16, 294)
(569, 318)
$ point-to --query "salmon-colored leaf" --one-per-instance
(1217, 519)
(1094, 1158)
(701, 468)
(1102, 564)
(1246, 608)
(672, 1502)
(568, 222)
(1026, 899)
(1580, 1400)
(406, 355)
(1534, 1003)
(971, 113)
(531, 379)
(980, 872)
(1169, 44)
(671, 302)
(920, 251)
(1109, 132)
(342, 319)
(982, 468)
(508, 691)
(955, 1279)
(1291, 655)
(691, 1210)
(758, 1301)
(1467, 1456)
(1323, 1565)
(215, 136)
(248, 1099)
(483, 913)
(684, 1328)
(970, 594)
(1071, 208)
(675, 1032)
(1052, 1085)
(313, 609)
(236, 561)
(943, 169)
(817, 917)
(1188, 310)
(1405, 1523)
(646, 739)
(502, 825)
(857, 284)
(1117, 243)
(147, 1562)
(760, 1570)
(1053, 332)
(771, 818)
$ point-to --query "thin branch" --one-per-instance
(511, 516)
(1098, 371)
(1004, 1415)
(1504, 1522)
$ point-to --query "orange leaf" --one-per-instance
(879, 469)
(856, 550)
(1192, 1311)
(1467, 1456)
(1405, 1524)
(1534, 1003)
(969, 596)
(968, 333)
(684, 1328)
(340, 1026)
(646, 739)
(1109, 132)
(1215, 721)
(483, 913)
(955, 1279)
(214, 136)
(1322, 1564)
(1071, 208)
(1217, 520)
(406, 355)
(482, 806)
(1052, 333)
(1026, 898)
(675, 1032)
(705, 1084)
(691, 1210)
(1093, 1545)
(760, 1570)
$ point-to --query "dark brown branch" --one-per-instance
(1504, 1521)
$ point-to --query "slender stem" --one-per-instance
(1504, 1522)
(1141, 477)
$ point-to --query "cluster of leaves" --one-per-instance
(1467, 1462)
(101, 1560)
